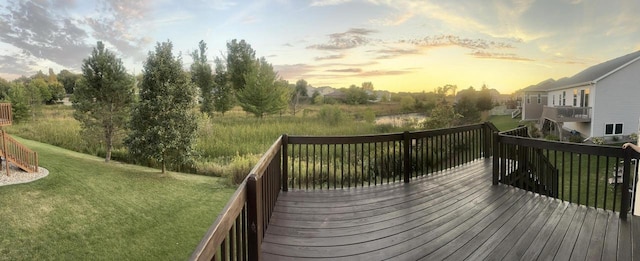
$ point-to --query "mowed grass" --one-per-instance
(504, 122)
(88, 209)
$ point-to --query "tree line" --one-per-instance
(155, 111)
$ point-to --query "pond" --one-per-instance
(402, 120)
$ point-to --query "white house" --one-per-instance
(601, 101)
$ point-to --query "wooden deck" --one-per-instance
(453, 215)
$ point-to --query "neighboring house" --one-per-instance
(534, 99)
(336, 95)
(601, 101)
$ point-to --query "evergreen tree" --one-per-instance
(223, 94)
(240, 58)
(104, 96)
(202, 77)
(163, 122)
(264, 92)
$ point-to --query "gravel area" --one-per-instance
(19, 176)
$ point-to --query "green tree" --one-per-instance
(17, 95)
(466, 106)
(407, 103)
(37, 91)
(104, 97)
(68, 80)
(443, 115)
(4, 89)
(223, 94)
(299, 91)
(163, 121)
(367, 86)
(355, 95)
(240, 58)
(202, 77)
(264, 93)
(484, 102)
(316, 98)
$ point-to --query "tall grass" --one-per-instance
(225, 145)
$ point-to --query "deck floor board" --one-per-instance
(456, 214)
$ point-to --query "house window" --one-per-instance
(564, 98)
(575, 97)
(539, 99)
(554, 99)
(528, 99)
(613, 129)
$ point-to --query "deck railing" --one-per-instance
(590, 175)
(359, 161)
(238, 231)
(572, 172)
(18, 154)
(6, 118)
(567, 113)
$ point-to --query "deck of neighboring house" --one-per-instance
(464, 193)
(455, 215)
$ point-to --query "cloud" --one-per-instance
(115, 25)
(384, 73)
(330, 57)
(498, 56)
(219, 4)
(352, 38)
(395, 52)
(347, 70)
(328, 2)
(34, 28)
(395, 20)
(293, 71)
(15, 64)
(453, 40)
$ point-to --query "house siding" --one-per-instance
(533, 110)
(616, 101)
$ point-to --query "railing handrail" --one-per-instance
(248, 196)
(217, 232)
(17, 153)
(511, 138)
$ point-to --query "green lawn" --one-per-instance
(87, 209)
(504, 122)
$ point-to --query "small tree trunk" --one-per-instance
(164, 167)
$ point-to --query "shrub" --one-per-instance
(615, 138)
(633, 136)
(551, 137)
(597, 140)
(370, 116)
(331, 115)
(575, 138)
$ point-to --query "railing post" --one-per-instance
(626, 170)
(496, 157)
(4, 151)
(407, 156)
(254, 217)
(487, 140)
(285, 162)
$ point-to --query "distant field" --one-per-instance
(89, 210)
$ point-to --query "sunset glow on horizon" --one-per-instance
(398, 45)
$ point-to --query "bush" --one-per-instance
(597, 140)
(331, 115)
(551, 137)
(575, 138)
(369, 116)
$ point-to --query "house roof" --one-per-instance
(541, 86)
(590, 75)
(597, 72)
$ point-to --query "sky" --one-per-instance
(398, 45)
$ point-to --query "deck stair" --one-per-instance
(11, 150)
